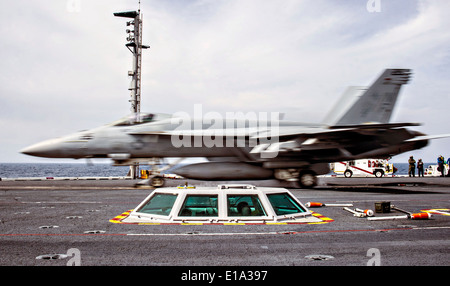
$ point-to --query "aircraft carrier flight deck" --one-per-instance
(44, 222)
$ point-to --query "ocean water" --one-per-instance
(17, 170)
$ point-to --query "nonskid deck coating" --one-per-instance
(346, 238)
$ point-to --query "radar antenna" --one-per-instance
(134, 45)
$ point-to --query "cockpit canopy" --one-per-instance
(138, 118)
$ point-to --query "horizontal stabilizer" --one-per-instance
(428, 137)
(376, 125)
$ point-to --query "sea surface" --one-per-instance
(18, 170)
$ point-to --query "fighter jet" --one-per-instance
(253, 148)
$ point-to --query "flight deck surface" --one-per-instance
(48, 217)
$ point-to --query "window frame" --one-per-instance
(296, 203)
(151, 197)
(210, 215)
(256, 204)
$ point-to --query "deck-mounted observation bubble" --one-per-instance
(225, 204)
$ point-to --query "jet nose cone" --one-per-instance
(47, 149)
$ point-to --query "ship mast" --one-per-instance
(134, 45)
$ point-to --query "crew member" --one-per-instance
(448, 165)
(441, 167)
(412, 166)
(420, 168)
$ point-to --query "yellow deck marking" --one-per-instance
(121, 217)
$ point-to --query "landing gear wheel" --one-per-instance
(307, 180)
(157, 182)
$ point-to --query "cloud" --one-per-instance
(64, 64)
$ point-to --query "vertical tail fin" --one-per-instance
(374, 104)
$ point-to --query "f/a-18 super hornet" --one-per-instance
(251, 148)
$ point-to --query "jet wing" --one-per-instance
(280, 131)
(298, 139)
(293, 137)
(295, 131)
(348, 139)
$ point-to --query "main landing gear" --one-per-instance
(155, 174)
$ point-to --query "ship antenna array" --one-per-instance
(134, 45)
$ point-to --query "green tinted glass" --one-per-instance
(199, 205)
(159, 204)
(245, 205)
(283, 204)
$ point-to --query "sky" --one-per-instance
(64, 63)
